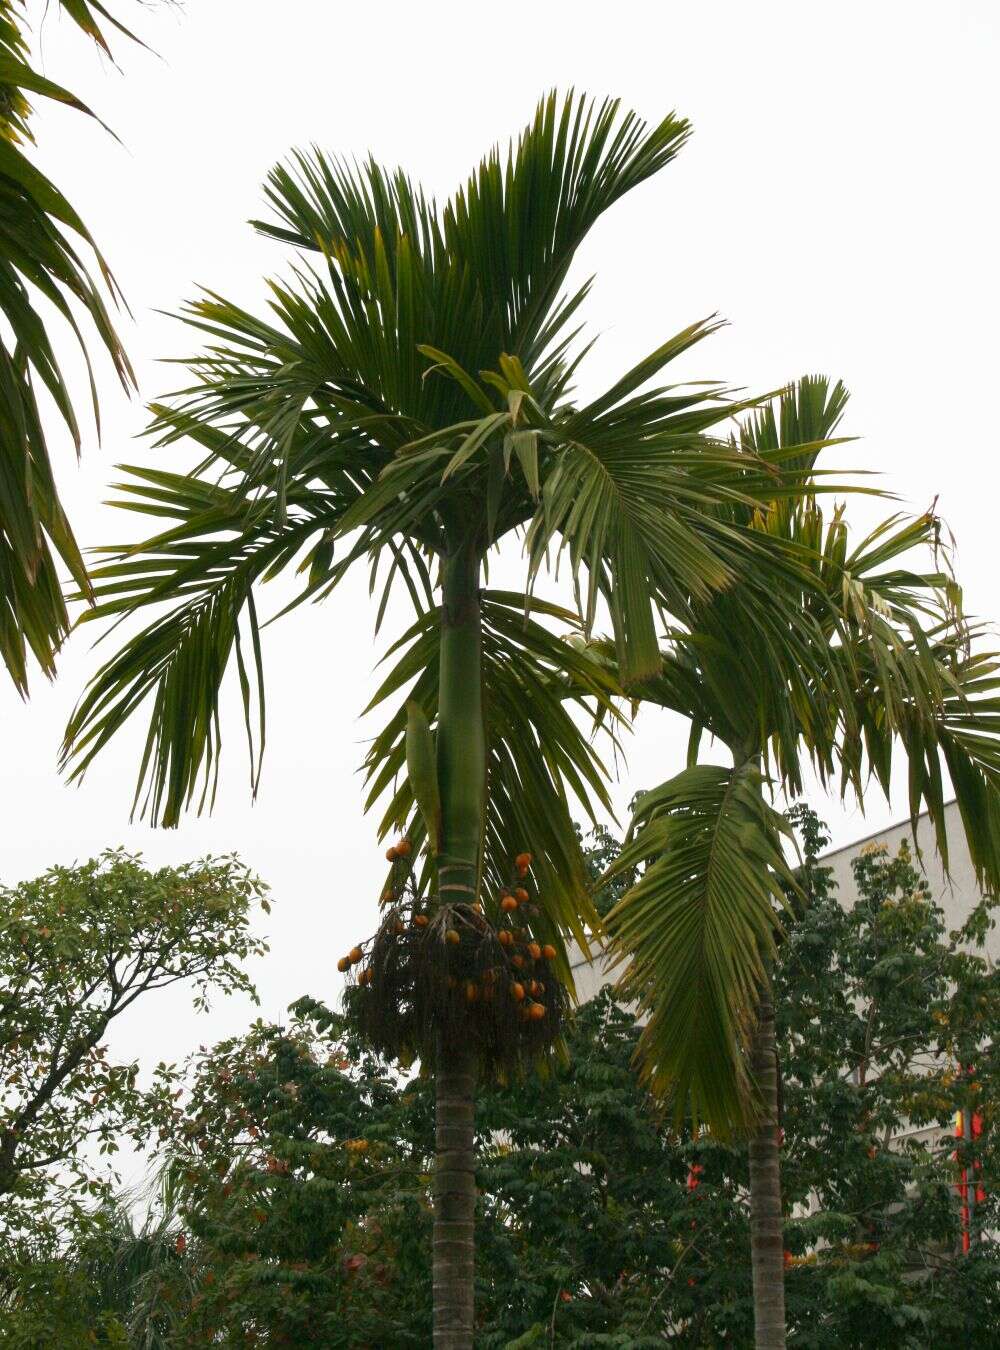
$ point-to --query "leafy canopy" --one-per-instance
(78, 947)
(299, 1195)
(870, 1059)
(874, 655)
(409, 394)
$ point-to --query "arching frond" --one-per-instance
(931, 696)
(200, 573)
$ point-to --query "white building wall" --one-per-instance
(957, 892)
(590, 977)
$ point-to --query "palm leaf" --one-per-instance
(698, 927)
(41, 237)
(204, 569)
(513, 230)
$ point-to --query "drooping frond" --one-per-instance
(910, 675)
(936, 699)
(200, 574)
(42, 240)
(698, 926)
(173, 670)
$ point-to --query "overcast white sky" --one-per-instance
(837, 203)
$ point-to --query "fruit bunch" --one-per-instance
(440, 967)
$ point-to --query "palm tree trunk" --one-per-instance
(454, 1199)
(767, 1246)
(461, 754)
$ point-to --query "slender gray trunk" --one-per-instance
(767, 1247)
(454, 1199)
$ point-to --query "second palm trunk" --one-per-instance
(766, 1226)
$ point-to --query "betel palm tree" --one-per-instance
(41, 240)
(699, 926)
(409, 402)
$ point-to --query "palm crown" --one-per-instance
(880, 656)
(411, 395)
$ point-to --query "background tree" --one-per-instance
(410, 401)
(871, 1058)
(41, 240)
(78, 947)
(114, 1280)
(595, 1238)
(304, 1167)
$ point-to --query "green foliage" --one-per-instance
(698, 924)
(302, 1178)
(592, 1236)
(52, 1303)
(873, 654)
(877, 1007)
(118, 1283)
(78, 946)
(302, 1168)
(601, 850)
(41, 236)
(409, 397)
(304, 1172)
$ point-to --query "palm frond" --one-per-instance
(938, 699)
(806, 415)
(513, 230)
(905, 670)
(41, 241)
(698, 927)
(202, 571)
